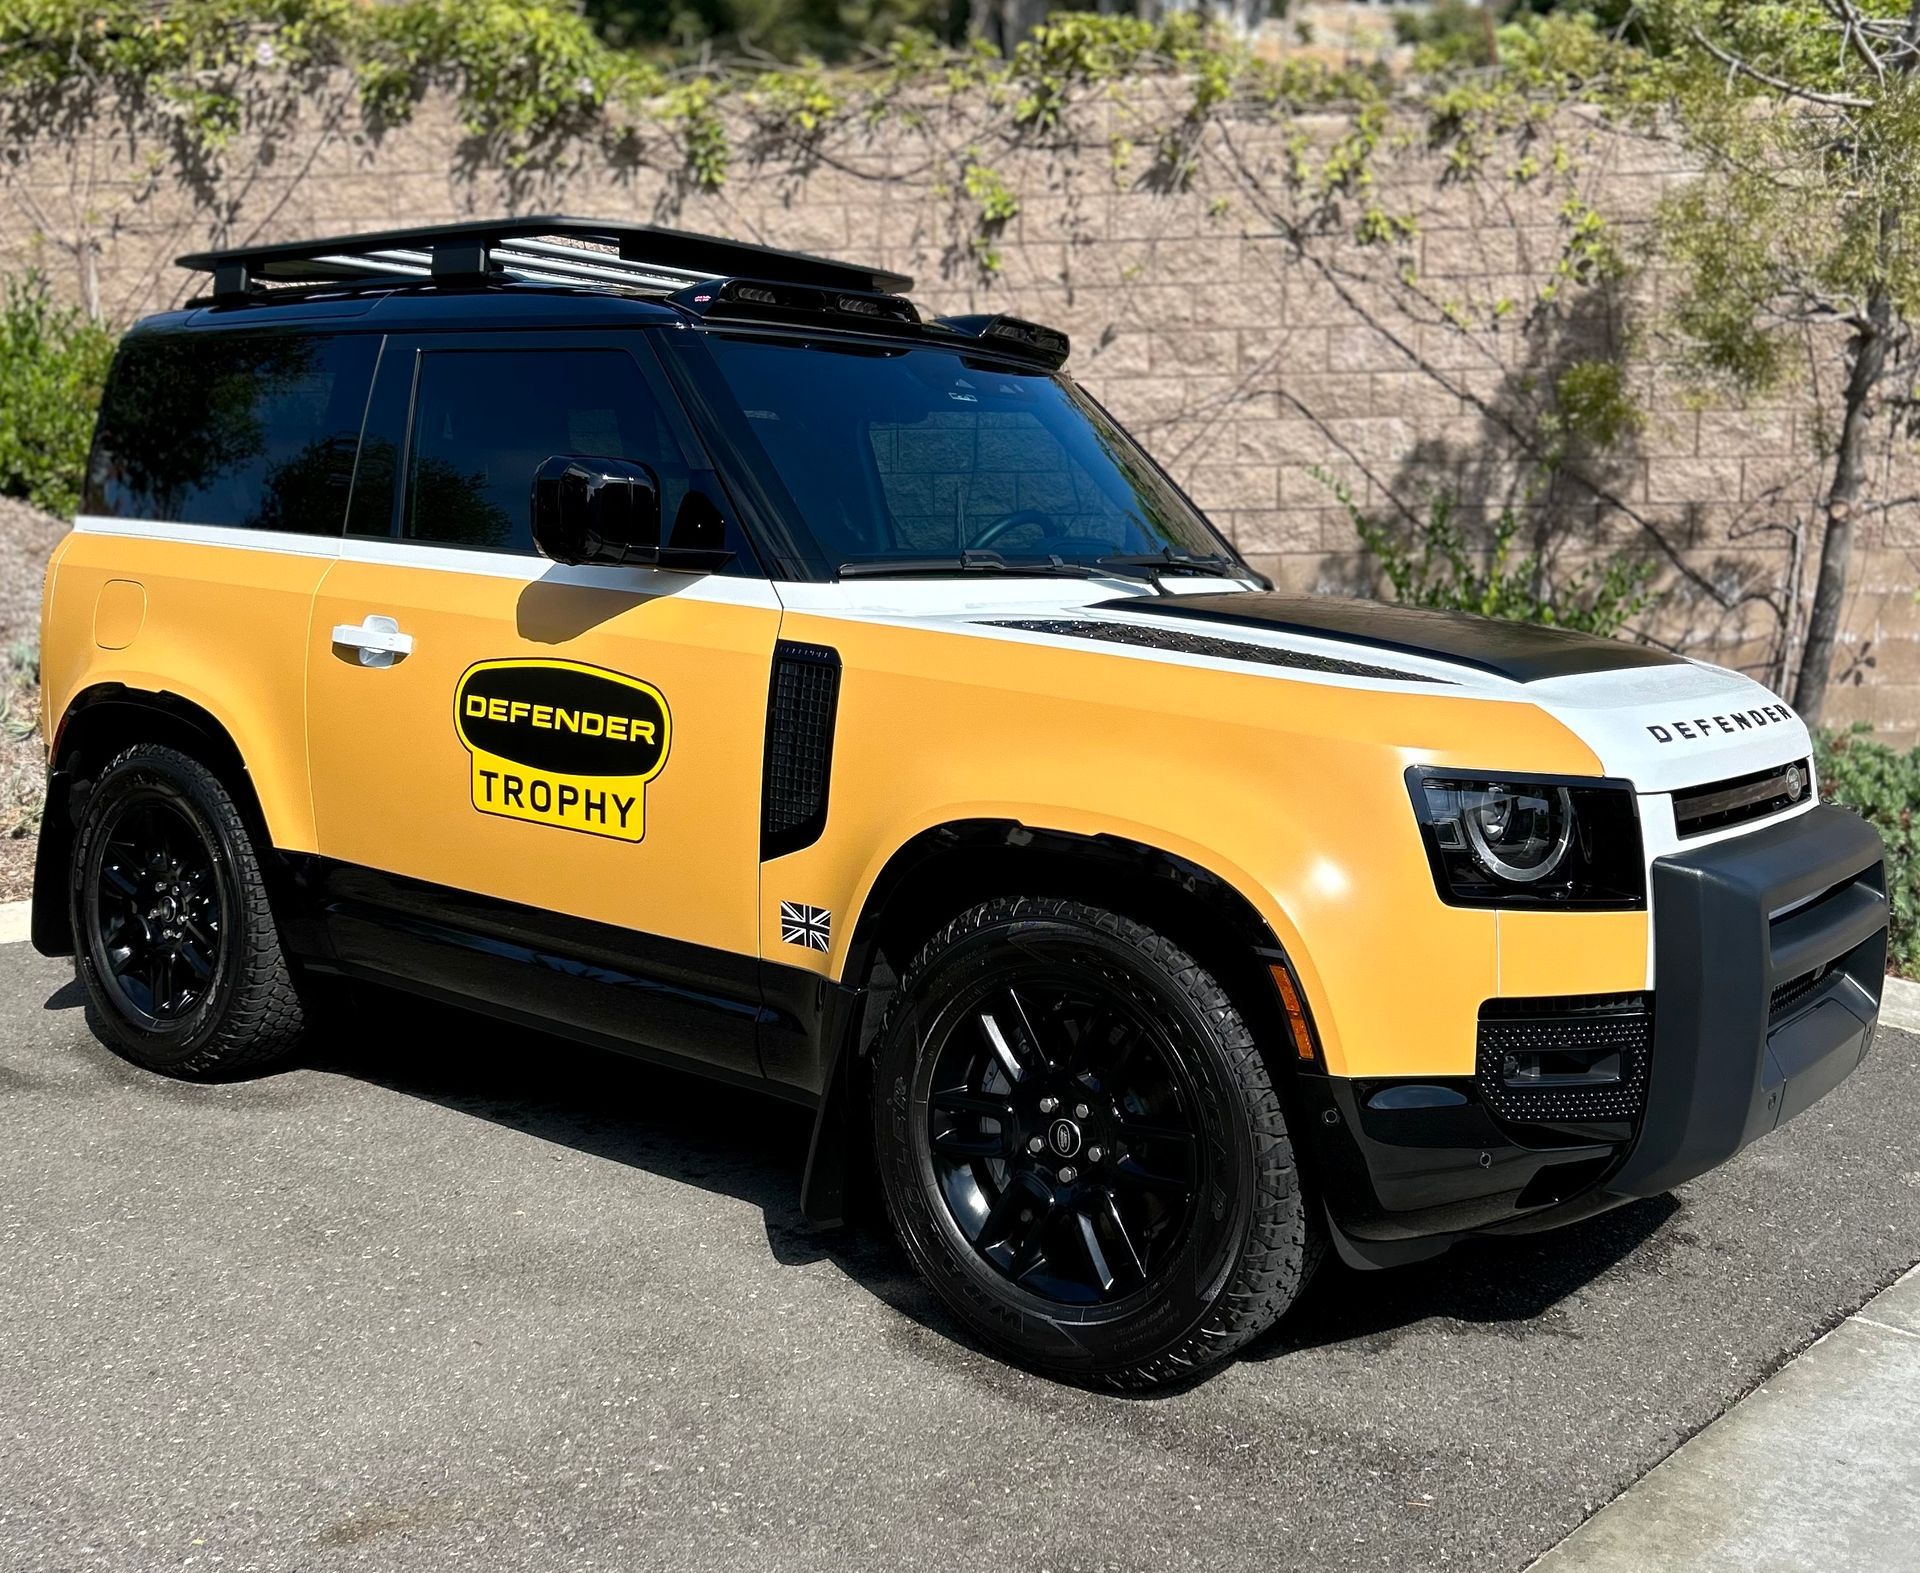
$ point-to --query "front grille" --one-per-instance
(1697, 810)
(800, 714)
(1590, 1053)
(1794, 990)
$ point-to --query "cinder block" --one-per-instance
(1694, 481)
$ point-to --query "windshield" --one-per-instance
(896, 454)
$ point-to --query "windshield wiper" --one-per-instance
(1167, 560)
(1148, 565)
(970, 561)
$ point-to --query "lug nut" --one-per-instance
(1095, 1154)
(1035, 1144)
(1081, 1111)
(1048, 1105)
(1068, 1175)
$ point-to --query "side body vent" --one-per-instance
(801, 704)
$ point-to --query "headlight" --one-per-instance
(1530, 840)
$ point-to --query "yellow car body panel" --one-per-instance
(395, 787)
(1287, 790)
(224, 628)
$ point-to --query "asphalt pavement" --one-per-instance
(449, 1296)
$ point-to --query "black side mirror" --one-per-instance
(594, 510)
(590, 510)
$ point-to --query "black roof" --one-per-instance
(546, 248)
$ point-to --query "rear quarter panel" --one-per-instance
(222, 626)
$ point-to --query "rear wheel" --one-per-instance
(1082, 1147)
(175, 938)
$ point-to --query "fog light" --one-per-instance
(1598, 1067)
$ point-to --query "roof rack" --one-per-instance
(546, 249)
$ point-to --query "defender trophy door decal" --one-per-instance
(558, 743)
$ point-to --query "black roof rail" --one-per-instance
(547, 248)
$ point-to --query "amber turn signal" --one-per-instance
(1296, 1012)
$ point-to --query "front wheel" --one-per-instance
(175, 939)
(1082, 1147)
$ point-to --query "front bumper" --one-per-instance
(1769, 958)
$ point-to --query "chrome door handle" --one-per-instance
(377, 638)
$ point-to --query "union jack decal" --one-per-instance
(808, 926)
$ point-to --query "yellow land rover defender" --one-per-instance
(694, 649)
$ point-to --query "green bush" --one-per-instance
(1882, 785)
(23, 763)
(53, 362)
(1430, 562)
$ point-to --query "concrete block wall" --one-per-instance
(1257, 369)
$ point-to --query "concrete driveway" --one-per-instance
(453, 1297)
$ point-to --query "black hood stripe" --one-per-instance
(1520, 652)
(1183, 642)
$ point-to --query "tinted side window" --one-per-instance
(485, 420)
(249, 430)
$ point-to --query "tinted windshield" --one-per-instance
(916, 453)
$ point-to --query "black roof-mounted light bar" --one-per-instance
(766, 300)
(772, 300)
(1014, 336)
(549, 249)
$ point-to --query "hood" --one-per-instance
(1518, 652)
(1651, 717)
(1655, 718)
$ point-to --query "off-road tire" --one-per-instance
(250, 1016)
(1256, 1244)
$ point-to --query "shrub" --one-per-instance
(1882, 785)
(53, 362)
(23, 763)
(1431, 563)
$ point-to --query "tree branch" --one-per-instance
(1779, 84)
(1853, 35)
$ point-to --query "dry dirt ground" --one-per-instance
(26, 537)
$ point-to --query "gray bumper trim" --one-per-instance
(1725, 1069)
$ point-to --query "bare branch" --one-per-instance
(1853, 36)
(1739, 67)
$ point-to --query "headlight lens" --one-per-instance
(1529, 841)
(1519, 833)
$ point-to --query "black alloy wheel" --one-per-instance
(1061, 1134)
(156, 910)
(174, 932)
(1083, 1148)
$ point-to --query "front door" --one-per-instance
(539, 785)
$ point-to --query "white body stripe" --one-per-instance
(723, 588)
(1619, 714)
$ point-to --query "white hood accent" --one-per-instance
(1667, 727)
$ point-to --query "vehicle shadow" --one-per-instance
(1511, 1284)
(753, 1147)
(740, 1143)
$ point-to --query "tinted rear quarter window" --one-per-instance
(246, 430)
